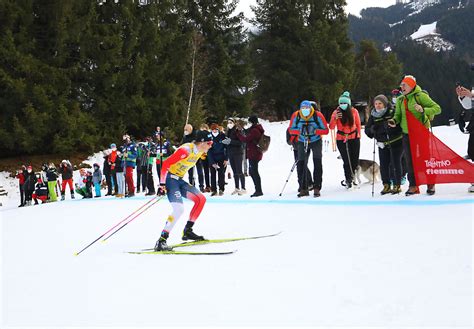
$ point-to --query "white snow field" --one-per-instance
(345, 259)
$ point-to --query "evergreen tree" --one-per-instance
(300, 52)
(375, 73)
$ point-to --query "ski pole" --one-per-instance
(133, 218)
(291, 172)
(123, 220)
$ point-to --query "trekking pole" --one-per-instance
(291, 172)
(373, 170)
(134, 217)
(123, 220)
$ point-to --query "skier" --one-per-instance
(172, 183)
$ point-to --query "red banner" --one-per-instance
(433, 161)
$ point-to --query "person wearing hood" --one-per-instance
(253, 152)
(389, 142)
(309, 125)
(423, 109)
(347, 121)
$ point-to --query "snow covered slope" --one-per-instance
(345, 259)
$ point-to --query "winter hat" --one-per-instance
(382, 99)
(253, 119)
(29, 167)
(345, 98)
(203, 136)
(409, 80)
(64, 161)
(214, 126)
(113, 145)
(305, 104)
(306, 110)
(230, 120)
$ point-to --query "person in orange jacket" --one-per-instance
(347, 120)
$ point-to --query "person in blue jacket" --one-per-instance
(309, 125)
(130, 155)
(217, 157)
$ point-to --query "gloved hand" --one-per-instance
(161, 190)
(226, 141)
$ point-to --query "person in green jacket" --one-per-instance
(419, 103)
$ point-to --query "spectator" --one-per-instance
(113, 172)
(389, 142)
(466, 98)
(253, 153)
(41, 190)
(130, 161)
(419, 103)
(52, 178)
(84, 185)
(217, 156)
(347, 120)
(97, 179)
(119, 167)
(29, 186)
(202, 167)
(107, 172)
(66, 174)
(21, 175)
(309, 125)
(235, 152)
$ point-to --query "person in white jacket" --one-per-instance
(466, 98)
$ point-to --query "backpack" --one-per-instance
(263, 143)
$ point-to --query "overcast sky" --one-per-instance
(353, 6)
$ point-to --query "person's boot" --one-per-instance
(161, 244)
(386, 189)
(431, 189)
(63, 196)
(317, 192)
(188, 233)
(397, 189)
(72, 195)
(412, 190)
(303, 192)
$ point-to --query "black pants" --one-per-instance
(220, 173)
(236, 162)
(349, 151)
(407, 151)
(470, 146)
(253, 172)
(113, 175)
(308, 173)
(202, 168)
(303, 156)
(144, 178)
(108, 180)
(391, 163)
(139, 177)
(22, 194)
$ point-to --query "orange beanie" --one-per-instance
(410, 80)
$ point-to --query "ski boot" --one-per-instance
(317, 192)
(188, 233)
(386, 189)
(161, 244)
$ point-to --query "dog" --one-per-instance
(369, 169)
